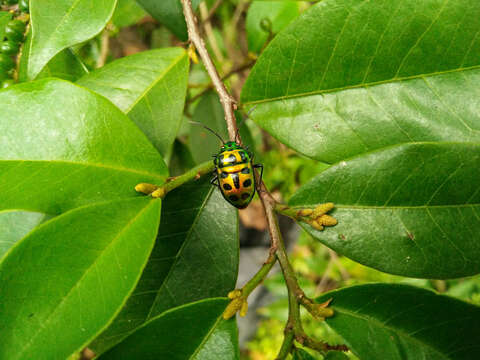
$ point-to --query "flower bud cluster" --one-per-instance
(318, 217)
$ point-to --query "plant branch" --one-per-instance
(104, 47)
(258, 278)
(227, 101)
(239, 296)
(159, 191)
(207, 26)
(296, 296)
(212, 11)
(231, 72)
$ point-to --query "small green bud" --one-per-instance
(322, 209)
(305, 212)
(6, 63)
(266, 25)
(234, 294)
(17, 25)
(23, 6)
(7, 83)
(9, 47)
(146, 188)
(14, 30)
(327, 220)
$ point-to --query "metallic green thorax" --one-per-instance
(231, 145)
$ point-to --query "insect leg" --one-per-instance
(259, 182)
(214, 180)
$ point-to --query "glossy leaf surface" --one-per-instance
(15, 225)
(200, 333)
(150, 87)
(267, 18)
(209, 112)
(385, 73)
(203, 143)
(127, 13)
(411, 209)
(170, 14)
(65, 65)
(381, 321)
(77, 271)
(59, 24)
(5, 17)
(195, 257)
(71, 147)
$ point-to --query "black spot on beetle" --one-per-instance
(245, 196)
(227, 187)
(233, 198)
(236, 180)
(247, 183)
(223, 175)
(245, 170)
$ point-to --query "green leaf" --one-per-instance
(336, 355)
(150, 87)
(195, 257)
(193, 331)
(64, 146)
(300, 354)
(60, 24)
(411, 209)
(15, 225)
(274, 14)
(181, 159)
(405, 322)
(77, 270)
(203, 143)
(209, 112)
(127, 13)
(5, 17)
(170, 14)
(65, 65)
(351, 76)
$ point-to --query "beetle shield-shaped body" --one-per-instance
(235, 175)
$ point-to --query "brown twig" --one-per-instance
(207, 26)
(231, 72)
(104, 46)
(212, 11)
(228, 102)
(296, 296)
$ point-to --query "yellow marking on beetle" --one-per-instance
(232, 168)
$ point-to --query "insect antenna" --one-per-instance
(242, 121)
(206, 127)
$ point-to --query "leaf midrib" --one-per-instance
(105, 166)
(159, 78)
(67, 14)
(380, 207)
(380, 324)
(206, 337)
(187, 237)
(356, 86)
(87, 271)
